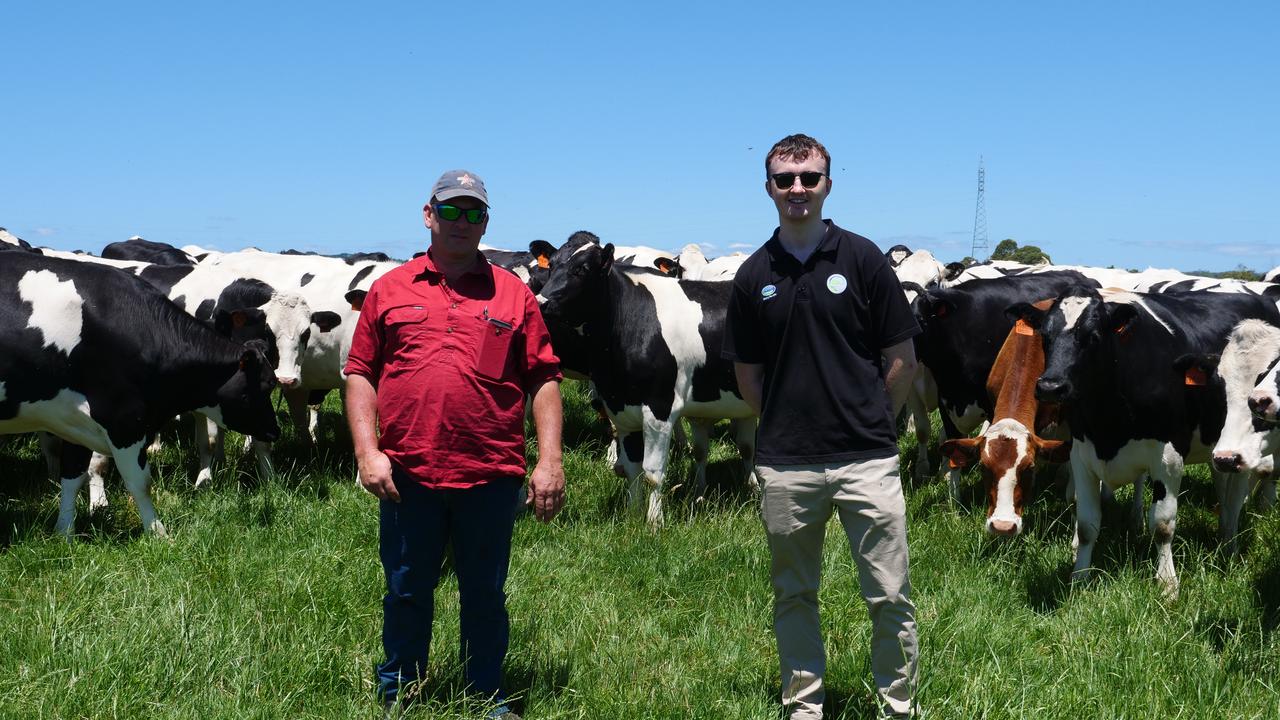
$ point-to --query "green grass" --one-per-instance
(266, 603)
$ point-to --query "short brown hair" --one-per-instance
(797, 147)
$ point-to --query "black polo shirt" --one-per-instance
(818, 328)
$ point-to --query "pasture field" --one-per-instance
(266, 603)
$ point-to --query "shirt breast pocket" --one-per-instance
(494, 352)
(405, 324)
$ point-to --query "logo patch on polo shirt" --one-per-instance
(768, 291)
(837, 283)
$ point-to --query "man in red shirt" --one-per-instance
(445, 352)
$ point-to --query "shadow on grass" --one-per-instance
(521, 682)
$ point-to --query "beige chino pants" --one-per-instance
(796, 502)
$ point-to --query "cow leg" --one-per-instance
(949, 431)
(299, 411)
(136, 470)
(1088, 516)
(1166, 480)
(630, 463)
(918, 414)
(657, 441)
(1138, 504)
(1232, 490)
(1264, 491)
(74, 469)
(51, 449)
(744, 436)
(208, 438)
(262, 451)
(679, 440)
(700, 432)
(99, 466)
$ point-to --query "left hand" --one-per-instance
(546, 489)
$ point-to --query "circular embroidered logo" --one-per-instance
(836, 283)
(768, 291)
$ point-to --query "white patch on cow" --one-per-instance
(65, 415)
(583, 246)
(1128, 298)
(56, 308)
(521, 272)
(1072, 308)
(922, 268)
(678, 321)
(1010, 429)
(972, 417)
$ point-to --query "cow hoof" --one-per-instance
(203, 477)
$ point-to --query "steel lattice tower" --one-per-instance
(980, 215)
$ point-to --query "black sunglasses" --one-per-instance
(784, 181)
(453, 212)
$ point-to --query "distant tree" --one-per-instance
(1239, 273)
(969, 260)
(1027, 254)
(1005, 250)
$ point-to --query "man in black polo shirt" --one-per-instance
(820, 335)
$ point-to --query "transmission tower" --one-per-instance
(980, 215)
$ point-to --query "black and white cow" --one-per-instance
(651, 346)
(530, 266)
(1117, 363)
(102, 360)
(140, 250)
(334, 289)
(963, 329)
(9, 241)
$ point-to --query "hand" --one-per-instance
(546, 489)
(375, 476)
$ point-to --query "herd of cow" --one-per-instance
(1128, 376)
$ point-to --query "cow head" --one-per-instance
(1007, 452)
(576, 285)
(244, 401)
(1074, 329)
(1246, 374)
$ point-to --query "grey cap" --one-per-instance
(460, 183)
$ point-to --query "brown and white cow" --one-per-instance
(1009, 448)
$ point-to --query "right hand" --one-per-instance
(375, 476)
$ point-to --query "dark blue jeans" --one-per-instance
(414, 533)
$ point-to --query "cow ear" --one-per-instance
(962, 453)
(542, 250)
(908, 286)
(666, 265)
(1196, 369)
(1119, 317)
(356, 298)
(936, 306)
(607, 255)
(327, 320)
(1054, 451)
(1026, 312)
(954, 269)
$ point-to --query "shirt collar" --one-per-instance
(783, 261)
(425, 266)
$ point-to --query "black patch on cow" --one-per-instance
(139, 250)
(633, 446)
(306, 278)
(1180, 286)
(316, 397)
(364, 273)
(1158, 491)
(181, 301)
(326, 320)
(205, 311)
(164, 277)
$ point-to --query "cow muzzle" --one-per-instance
(1228, 462)
(1003, 528)
(1051, 389)
(287, 382)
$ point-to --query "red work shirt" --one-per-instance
(452, 365)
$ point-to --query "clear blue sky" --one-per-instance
(1132, 134)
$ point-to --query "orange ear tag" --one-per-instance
(1022, 328)
(543, 262)
(951, 463)
(1196, 377)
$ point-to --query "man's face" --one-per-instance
(797, 203)
(455, 238)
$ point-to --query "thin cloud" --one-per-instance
(45, 232)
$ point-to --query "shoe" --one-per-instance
(392, 710)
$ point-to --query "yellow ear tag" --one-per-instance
(1022, 328)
